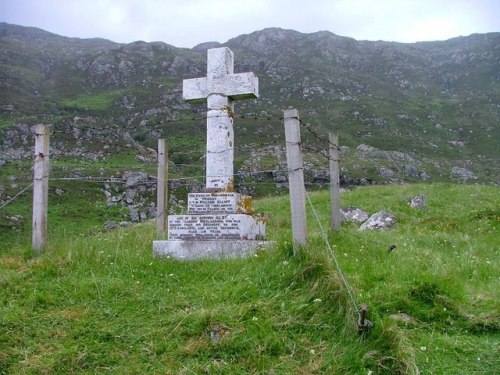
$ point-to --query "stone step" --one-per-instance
(185, 250)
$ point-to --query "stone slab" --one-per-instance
(185, 250)
(219, 203)
(215, 227)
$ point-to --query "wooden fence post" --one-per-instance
(40, 188)
(162, 190)
(334, 180)
(295, 176)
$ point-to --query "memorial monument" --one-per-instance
(220, 222)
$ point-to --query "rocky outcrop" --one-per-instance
(135, 190)
(462, 174)
(402, 109)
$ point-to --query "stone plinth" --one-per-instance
(184, 250)
(217, 225)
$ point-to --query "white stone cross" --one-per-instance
(220, 88)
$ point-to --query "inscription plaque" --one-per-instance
(215, 227)
(219, 203)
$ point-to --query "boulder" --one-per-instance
(423, 176)
(133, 179)
(418, 202)
(410, 171)
(134, 214)
(387, 174)
(110, 225)
(15, 218)
(354, 214)
(462, 174)
(380, 221)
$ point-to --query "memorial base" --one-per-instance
(218, 225)
(207, 249)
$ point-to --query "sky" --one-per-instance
(186, 23)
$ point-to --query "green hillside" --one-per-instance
(434, 103)
(98, 302)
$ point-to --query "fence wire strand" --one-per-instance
(16, 196)
(332, 253)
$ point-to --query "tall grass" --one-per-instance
(101, 303)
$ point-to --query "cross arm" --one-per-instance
(244, 86)
(195, 90)
(235, 86)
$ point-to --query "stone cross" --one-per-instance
(220, 88)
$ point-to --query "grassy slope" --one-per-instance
(101, 303)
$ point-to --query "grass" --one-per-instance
(97, 102)
(97, 301)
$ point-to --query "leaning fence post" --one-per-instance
(295, 176)
(334, 180)
(40, 188)
(162, 190)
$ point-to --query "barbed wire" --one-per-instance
(192, 119)
(153, 179)
(317, 136)
(315, 150)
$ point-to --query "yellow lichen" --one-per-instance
(245, 205)
(230, 187)
(229, 111)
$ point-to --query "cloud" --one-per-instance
(189, 22)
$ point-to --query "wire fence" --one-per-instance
(319, 145)
(21, 192)
(64, 163)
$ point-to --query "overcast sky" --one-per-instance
(185, 23)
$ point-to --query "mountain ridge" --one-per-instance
(434, 100)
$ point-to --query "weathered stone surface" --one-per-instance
(219, 89)
(418, 202)
(410, 171)
(219, 203)
(133, 178)
(368, 152)
(215, 227)
(457, 143)
(148, 213)
(423, 176)
(110, 225)
(134, 214)
(355, 214)
(379, 221)
(15, 218)
(462, 174)
(387, 174)
(207, 249)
